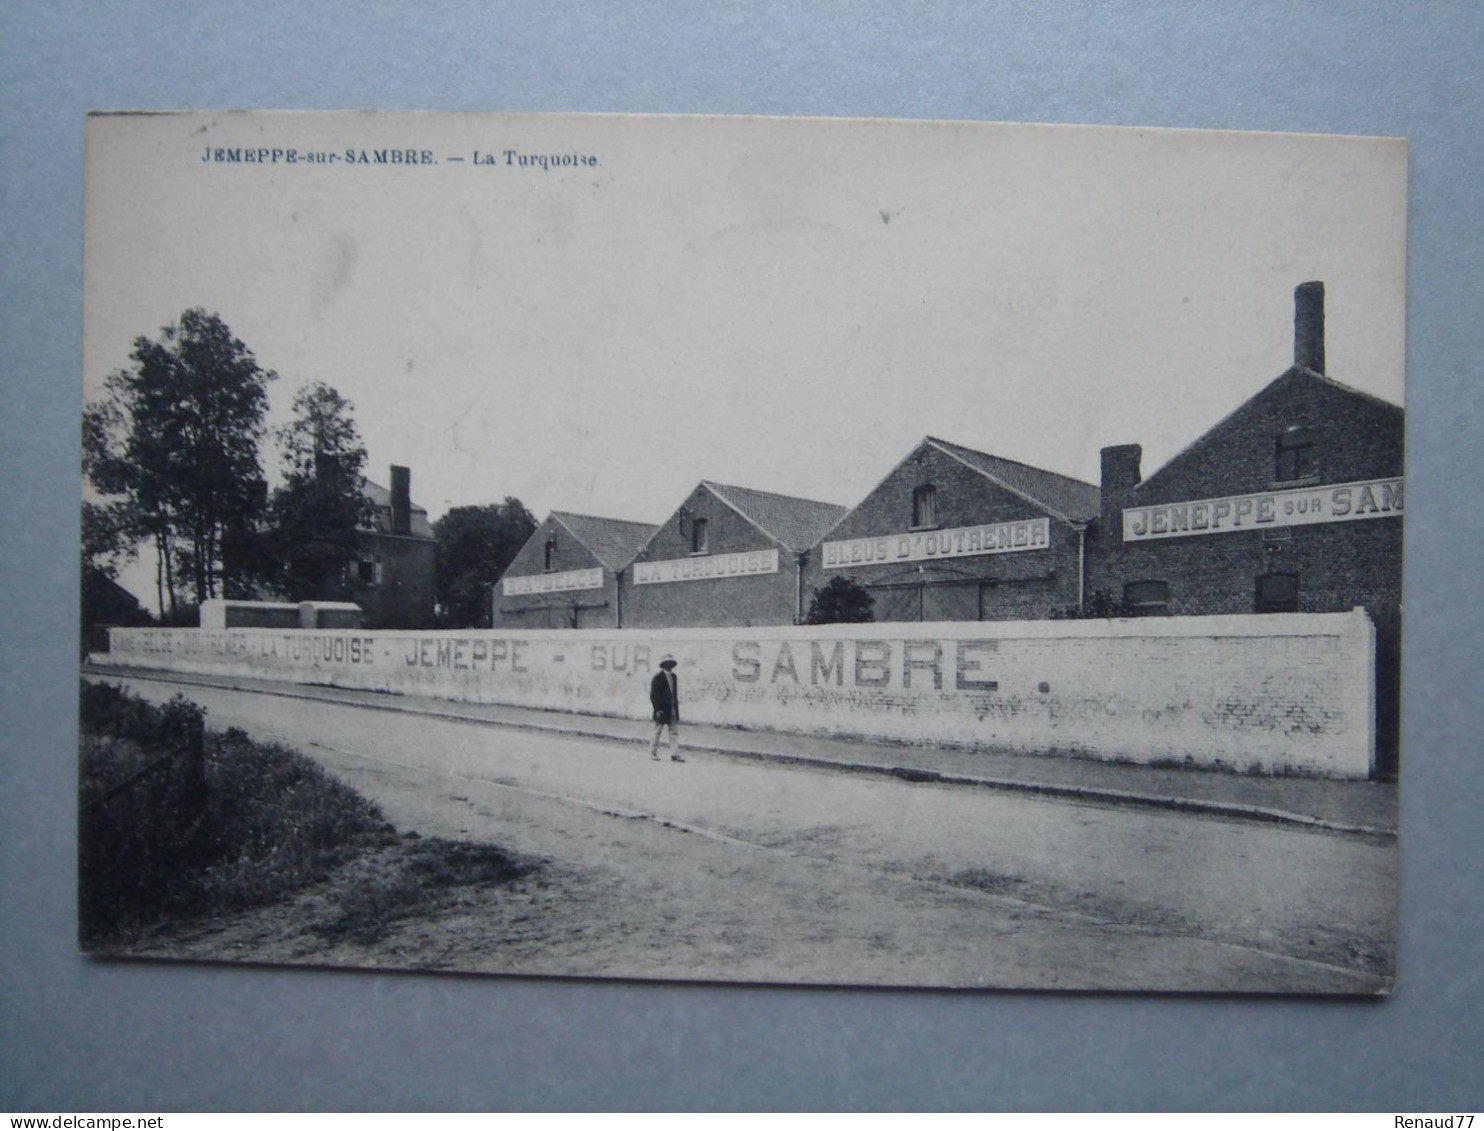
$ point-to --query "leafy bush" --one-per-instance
(1100, 605)
(841, 601)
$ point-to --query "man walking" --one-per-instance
(664, 697)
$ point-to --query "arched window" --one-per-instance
(550, 556)
(698, 536)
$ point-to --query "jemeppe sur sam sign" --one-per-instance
(1306, 506)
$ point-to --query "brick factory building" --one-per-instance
(391, 577)
(569, 573)
(727, 556)
(957, 534)
(1292, 503)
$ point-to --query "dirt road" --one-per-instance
(723, 868)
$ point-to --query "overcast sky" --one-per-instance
(788, 305)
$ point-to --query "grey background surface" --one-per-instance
(77, 1035)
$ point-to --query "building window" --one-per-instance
(698, 536)
(1277, 593)
(548, 561)
(1147, 598)
(1295, 455)
(925, 505)
(366, 571)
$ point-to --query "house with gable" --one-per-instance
(569, 573)
(391, 578)
(1291, 503)
(727, 556)
(953, 533)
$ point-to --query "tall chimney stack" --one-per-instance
(1308, 326)
(1120, 475)
(1120, 470)
(401, 500)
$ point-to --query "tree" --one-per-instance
(107, 540)
(113, 530)
(173, 446)
(474, 545)
(841, 601)
(322, 505)
(105, 543)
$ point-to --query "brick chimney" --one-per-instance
(1120, 475)
(1308, 326)
(401, 500)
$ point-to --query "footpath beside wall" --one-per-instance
(1283, 692)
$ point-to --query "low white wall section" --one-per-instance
(1284, 692)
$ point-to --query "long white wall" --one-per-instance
(1272, 692)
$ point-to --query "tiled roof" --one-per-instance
(613, 541)
(381, 498)
(1326, 379)
(796, 523)
(1060, 494)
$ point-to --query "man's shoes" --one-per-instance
(676, 758)
(656, 757)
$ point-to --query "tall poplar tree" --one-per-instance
(173, 448)
(475, 544)
(321, 506)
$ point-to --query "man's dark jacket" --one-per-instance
(666, 707)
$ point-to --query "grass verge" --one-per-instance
(162, 841)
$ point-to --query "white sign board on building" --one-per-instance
(1344, 502)
(564, 582)
(925, 545)
(703, 567)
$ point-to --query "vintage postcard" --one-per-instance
(755, 550)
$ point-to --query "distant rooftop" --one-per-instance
(1292, 373)
(381, 498)
(796, 523)
(613, 541)
(1068, 498)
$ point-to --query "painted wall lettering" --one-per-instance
(460, 653)
(820, 669)
(871, 660)
(746, 667)
(783, 664)
(922, 655)
(969, 668)
(620, 657)
(1296, 691)
(853, 664)
(312, 647)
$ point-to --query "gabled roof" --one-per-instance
(613, 541)
(1292, 373)
(796, 524)
(1326, 379)
(381, 499)
(1069, 499)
